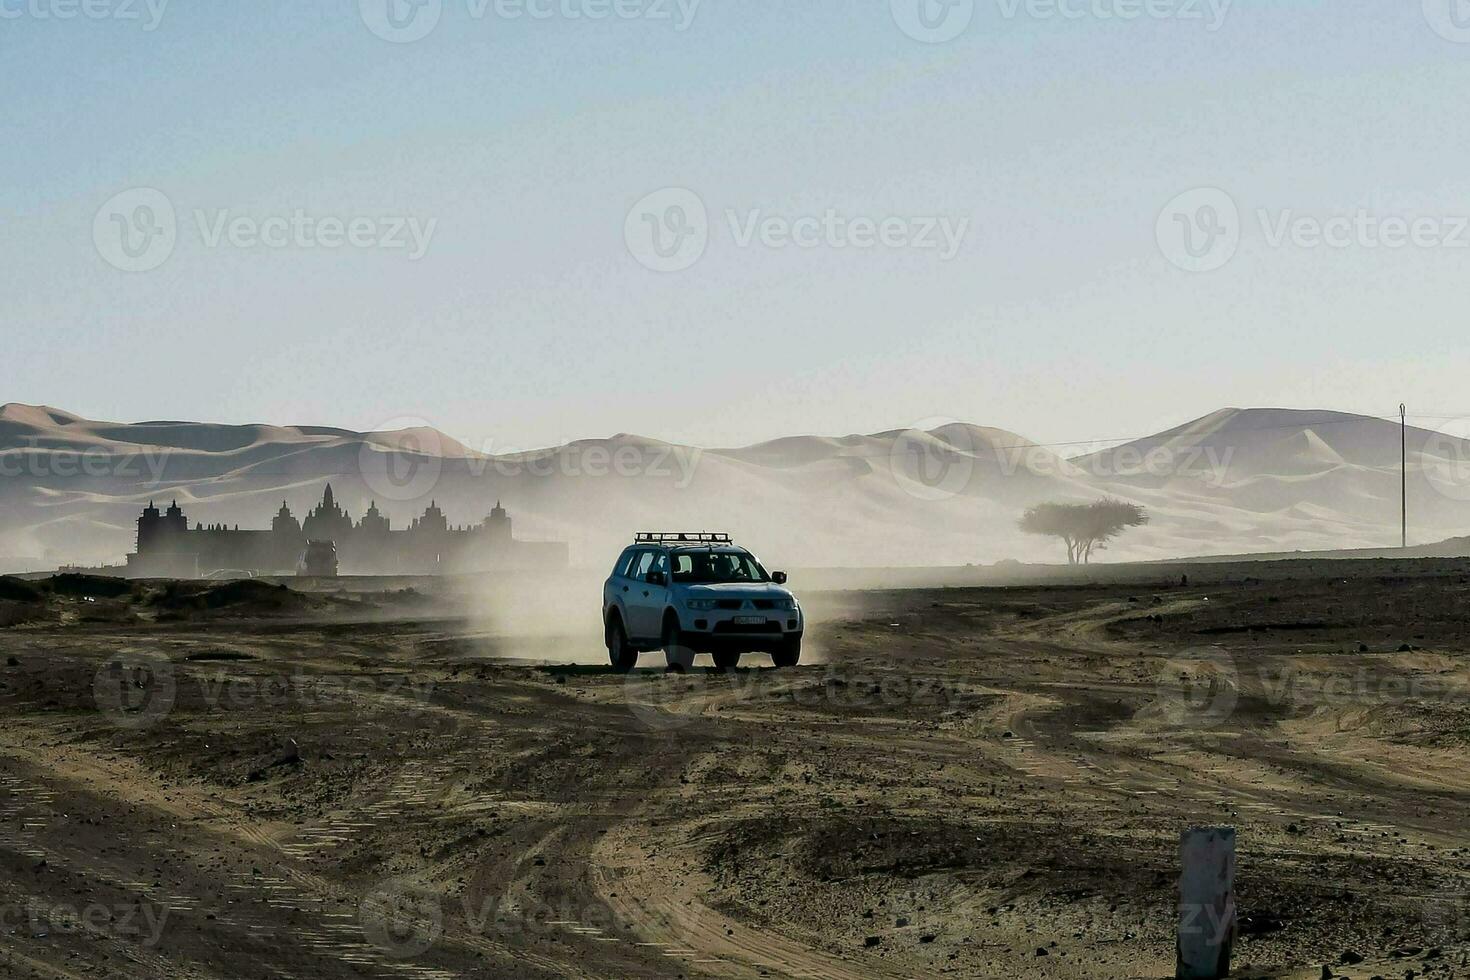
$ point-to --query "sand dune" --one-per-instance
(1286, 442)
(1234, 481)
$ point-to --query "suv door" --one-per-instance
(636, 593)
(614, 589)
(654, 598)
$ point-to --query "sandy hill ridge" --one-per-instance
(1287, 442)
(1328, 468)
(1237, 480)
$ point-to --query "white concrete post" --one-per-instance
(1207, 920)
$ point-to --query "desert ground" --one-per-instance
(243, 780)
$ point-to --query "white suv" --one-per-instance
(687, 593)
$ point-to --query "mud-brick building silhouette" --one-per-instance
(169, 548)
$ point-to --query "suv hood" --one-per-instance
(741, 590)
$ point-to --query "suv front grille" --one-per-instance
(730, 604)
(766, 627)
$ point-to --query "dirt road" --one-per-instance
(973, 783)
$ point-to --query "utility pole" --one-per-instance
(1404, 471)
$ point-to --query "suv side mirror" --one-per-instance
(778, 577)
(657, 578)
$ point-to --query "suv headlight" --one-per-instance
(785, 602)
(700, 604)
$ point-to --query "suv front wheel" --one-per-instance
(680, 658)
(788, 654)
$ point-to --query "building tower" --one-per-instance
(149, 527)
(373, 523)
(497, 528)
(327, 521)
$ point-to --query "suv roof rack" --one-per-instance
(681, 537)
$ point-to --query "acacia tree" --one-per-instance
(1084, 528)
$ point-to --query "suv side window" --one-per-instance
(625, 560)
(640, 567)
(661, 564)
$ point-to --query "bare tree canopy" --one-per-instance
(1084, 527)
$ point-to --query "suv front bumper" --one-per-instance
(744, 630)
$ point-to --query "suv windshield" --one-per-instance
(716, 567)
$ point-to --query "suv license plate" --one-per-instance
(750, 620)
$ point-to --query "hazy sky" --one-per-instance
(1046, 140)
